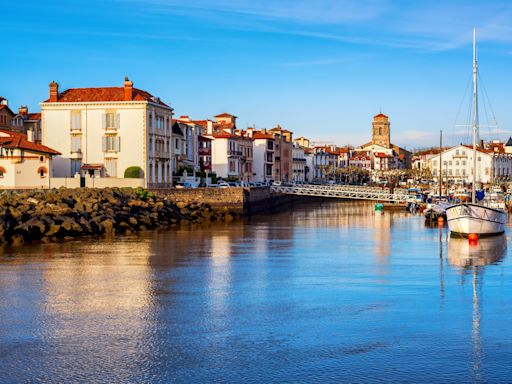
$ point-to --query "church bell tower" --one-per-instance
(381, 130)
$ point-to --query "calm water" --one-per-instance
(325, 293)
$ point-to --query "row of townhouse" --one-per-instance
(125, 136)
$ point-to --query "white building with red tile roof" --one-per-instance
(492, 165)
(118, 127)
(24, 164)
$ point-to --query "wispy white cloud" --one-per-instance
(304, 11)
(332, 61)
(432, 26)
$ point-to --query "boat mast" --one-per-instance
(475, 117)
(440, 164)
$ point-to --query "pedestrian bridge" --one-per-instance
(344, 192)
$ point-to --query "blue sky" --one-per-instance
(321, 68)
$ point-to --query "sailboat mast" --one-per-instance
(440, 164)
(475, 117)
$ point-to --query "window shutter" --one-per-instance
(104, 121)
(104, 143)
(118, 120)
(117, 144)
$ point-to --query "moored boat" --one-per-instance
(466, 218)
(472, 218)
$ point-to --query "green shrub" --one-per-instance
(133, 173)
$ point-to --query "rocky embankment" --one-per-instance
(48, 216)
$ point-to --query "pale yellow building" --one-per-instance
(102, 132)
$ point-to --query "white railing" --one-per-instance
(342, 192)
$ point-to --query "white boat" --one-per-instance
(466, 218)
(471, 218)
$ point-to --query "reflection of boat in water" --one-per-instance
(472, 259)
(489, 250)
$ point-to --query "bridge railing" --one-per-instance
(341, 192)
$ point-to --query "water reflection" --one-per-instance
(333, 292)
(471, 259)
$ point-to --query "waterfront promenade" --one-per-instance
(327, 292)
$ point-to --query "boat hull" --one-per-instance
(467, 218)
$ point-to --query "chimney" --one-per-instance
(30, 135)
(23, 110)
(481, 144)
(250, 131)
(3, 101)
(54, 92)
(209, 127)
(128, 89)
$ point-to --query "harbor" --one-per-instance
(328, 291)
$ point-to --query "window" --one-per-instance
(76, 144)
(270, 145)
(457, 163)
(111, 143)
(464, 162)
(41, 159)
(479, 158)
(3, 119)
(269, 157)
(111, 167)
(486, 171)
(177, 143)
(111, 120)
(450, 162)
(232, 166)
(450, 172)
(457, 152)
(457, 172)
(76, 121)
(268, 170)
(42, 171)
(434, 163)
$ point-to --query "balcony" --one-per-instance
(234, 153)
(277, 158)
(205, 151)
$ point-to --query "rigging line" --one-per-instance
(469, 125)
(484, 104)
(459, 109)
(486, 95)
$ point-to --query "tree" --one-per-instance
(134, 172)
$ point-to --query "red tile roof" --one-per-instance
(223, 135)
(261, 135)
(381, 115)
(87, 167)
(34, 116)
(9, 139)
(77, 95)
(383, 155)
(3, 106)
(225, 114)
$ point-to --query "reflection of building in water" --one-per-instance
(382, 236)
(342, 214)
(472, 259)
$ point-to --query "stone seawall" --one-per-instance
(243, 201)
(50, 215)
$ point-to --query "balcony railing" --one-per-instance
(234, 153)
(205, 151)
